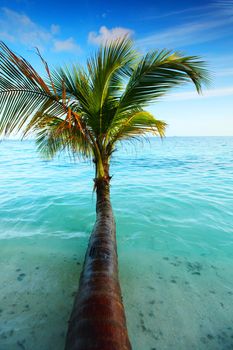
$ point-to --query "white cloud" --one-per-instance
(191, 95)
(106, 34)
(19, 28)
(66, 45)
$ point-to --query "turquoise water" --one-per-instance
(173, 202)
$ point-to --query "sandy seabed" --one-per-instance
(173, 302)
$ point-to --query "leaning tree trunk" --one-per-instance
(98, 319)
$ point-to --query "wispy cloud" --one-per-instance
(189, 10)
(191, 95)
(17, 27)
(188, 34)
(66, 45)
(225, 72)
(220, 64)
(224, 5)
(106, 35)
(216, 23)
(55, 29)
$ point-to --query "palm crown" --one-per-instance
(89, 110)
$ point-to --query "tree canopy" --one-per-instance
(89, 109)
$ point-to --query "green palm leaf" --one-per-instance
(87, 111)
(157, 73)
(56, 135)
(135, 125)
(22, 91)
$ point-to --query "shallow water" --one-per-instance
(173, 202)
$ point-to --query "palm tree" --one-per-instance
(88, 111)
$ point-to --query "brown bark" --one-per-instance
(98, 319)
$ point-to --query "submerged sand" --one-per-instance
(172, 301)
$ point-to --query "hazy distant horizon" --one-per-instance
(140, 140)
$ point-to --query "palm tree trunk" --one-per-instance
(98, 319)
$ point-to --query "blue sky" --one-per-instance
(69, 32)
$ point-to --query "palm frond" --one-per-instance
(76, 84)
(157, 73)
(88, 111)
(22, 92)
(135, 125)
(54, 135)
(108, 69)
(97, 91)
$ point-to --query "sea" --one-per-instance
(173, 204)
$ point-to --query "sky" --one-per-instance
(69, 32)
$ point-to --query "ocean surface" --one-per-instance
(173, 203)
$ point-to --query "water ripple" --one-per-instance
(180, 188)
